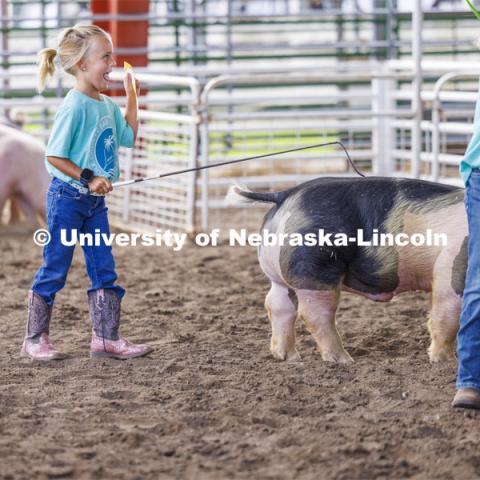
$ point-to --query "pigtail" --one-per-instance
(46, 67)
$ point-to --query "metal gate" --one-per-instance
(166, 141)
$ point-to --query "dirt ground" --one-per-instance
(211, 402)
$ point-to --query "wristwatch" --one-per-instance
(85, 176)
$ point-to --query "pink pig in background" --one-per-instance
(23, 177)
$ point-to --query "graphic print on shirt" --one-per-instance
(104, 148)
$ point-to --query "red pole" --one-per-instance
(101, 7)
(125, 33)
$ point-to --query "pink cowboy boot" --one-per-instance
(104, 305)
(36, 344)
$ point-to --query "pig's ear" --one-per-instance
(234, 195)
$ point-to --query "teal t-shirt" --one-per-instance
(88, 132)
(471, 159)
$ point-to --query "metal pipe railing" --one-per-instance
(441, 82)
(417, 48)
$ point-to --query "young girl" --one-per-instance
(468, 337)
(82, 159)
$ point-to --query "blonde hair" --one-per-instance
(73, 45)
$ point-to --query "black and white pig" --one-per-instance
(307, 280)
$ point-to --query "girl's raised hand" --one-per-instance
(127, 83)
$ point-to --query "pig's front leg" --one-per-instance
(3, 197)
(445, 308)
(282, 313)
(318, 308)
(443, 326)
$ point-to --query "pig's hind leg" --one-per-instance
(318, 308)
(27, 208)
(282, 311)
(317, 275)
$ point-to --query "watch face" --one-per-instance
(87, 174)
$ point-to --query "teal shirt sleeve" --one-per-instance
(63, 134)
(124, 130)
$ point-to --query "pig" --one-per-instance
(308, 280)
(23, 177)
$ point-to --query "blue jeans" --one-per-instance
(69, 209)
(468, 338)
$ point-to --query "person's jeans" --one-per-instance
(468, 338)
(69, 209)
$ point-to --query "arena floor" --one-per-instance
(210, 402)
